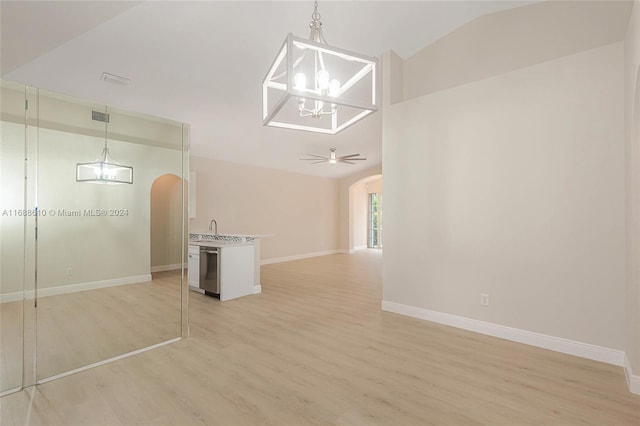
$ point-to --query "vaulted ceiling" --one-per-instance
(202, 62)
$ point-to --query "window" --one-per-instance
(374, 230)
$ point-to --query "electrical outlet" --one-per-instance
(69, 272)
(484, 299)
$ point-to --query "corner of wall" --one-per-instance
(633, 381)
(632, 148)
(392, 78)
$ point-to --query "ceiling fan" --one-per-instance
(332, 158)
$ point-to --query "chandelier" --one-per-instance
(316, 87)
(104, 169)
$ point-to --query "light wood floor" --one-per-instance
(11, 332)
(82, 328)
(314, 348)
(78, 329)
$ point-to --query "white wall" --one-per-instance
(12, 170)
(300, 211)
(513, 186)
(512, 39)
(358, 216)
(375, 186)
(632, 138)
(11, 199)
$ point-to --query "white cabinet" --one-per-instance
(236, 272)
(194, 267)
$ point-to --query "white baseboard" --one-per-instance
(11, 297)
(632, 380)
(170, 267)
(558, 344)
(74, 288)
(196, 289)
(298, 257)
(10, 391)
(357, 249)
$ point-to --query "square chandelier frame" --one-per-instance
(368, 66)
(104, 170)
(105, 173)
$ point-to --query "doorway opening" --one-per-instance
(166, 223)
(374, 220)
(365, 214)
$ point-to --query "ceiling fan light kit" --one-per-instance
(332, 159)
(319, 88)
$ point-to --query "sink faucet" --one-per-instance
(211, 227)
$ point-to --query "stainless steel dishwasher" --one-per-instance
(210, 271)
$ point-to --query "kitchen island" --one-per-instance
(238, 263)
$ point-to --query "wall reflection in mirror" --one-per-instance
(103, 277)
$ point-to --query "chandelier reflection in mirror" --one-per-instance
(104, 169)
(316, 87)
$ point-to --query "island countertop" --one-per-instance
(209, 234)
(219, 243)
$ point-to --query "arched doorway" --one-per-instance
(365, 213)
(166, 223)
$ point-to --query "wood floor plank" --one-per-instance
(314, 348)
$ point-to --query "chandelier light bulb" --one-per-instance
(105, 172)
(323, 79)
(300, 81)
(334, 88)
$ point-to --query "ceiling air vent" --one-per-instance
(112, 78)
(100, 116)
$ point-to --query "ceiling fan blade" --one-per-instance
(320, 161)
(312, 159)
(350, 159)
(350, 155)
(347, 162)
(317, 156)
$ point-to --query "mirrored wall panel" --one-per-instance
(12, 228)
(103, 237)
(97, 268)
